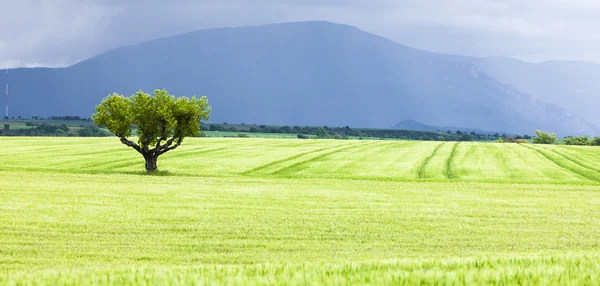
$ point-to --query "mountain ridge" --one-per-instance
(303, 73)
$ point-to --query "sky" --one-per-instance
(58, 33)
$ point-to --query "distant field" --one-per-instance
(248, 134)
(248, 210)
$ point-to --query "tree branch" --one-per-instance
(167, 147)
(158, 147)
(130, 143)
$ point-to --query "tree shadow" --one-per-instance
(157, 173)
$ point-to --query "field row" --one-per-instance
(365, 160)
(52, 220)
(508, 270)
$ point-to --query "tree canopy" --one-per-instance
(162, 121)
(544, 138)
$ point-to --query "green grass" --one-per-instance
(266, 211)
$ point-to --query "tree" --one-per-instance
(466, 137)
(162, 121)
(577, 140)
(6, 126)
(91, 131)
(321, 132)
(544, 138)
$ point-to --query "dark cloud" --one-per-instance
(61, 32)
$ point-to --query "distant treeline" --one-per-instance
(582, 140)
(67, 118)
(45, 128)
(346, 132)
(61, 130)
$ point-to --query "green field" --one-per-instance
(273, 211)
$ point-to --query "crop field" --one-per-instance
(288, 211)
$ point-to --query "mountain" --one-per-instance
(409, 124)
(310, 73)
(573, 85)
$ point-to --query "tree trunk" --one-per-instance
(150, 163)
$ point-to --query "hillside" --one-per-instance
(409, 124)
(573, 85)
(312, 73)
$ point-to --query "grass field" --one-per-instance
(270, 211)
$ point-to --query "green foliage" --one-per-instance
(6, 126)
(92, 131)
(159, 118)
(321, 133)
(345, 132)
(466, 137)
(156, 117)
(41, 130)
(500, 140)
(577, 140)
(115, 113)
(509, 139)
(544, 138)
(595, 141)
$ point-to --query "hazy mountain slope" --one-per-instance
(573, 85)
(409, 124)
(312, 73)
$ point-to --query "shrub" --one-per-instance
(92, 131)
(321, 132)
(302, 136)
(60, 133)
(595, 141)
(509, 139)
(466, 137)
(577, 140)
(499, 140)
(30, 124)
(522, 141)
(544, 138)
(6, 126)
(243, 135)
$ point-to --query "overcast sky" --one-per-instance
(62, 32)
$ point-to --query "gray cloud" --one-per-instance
(61, 32)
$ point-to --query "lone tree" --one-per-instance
(162, 121)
